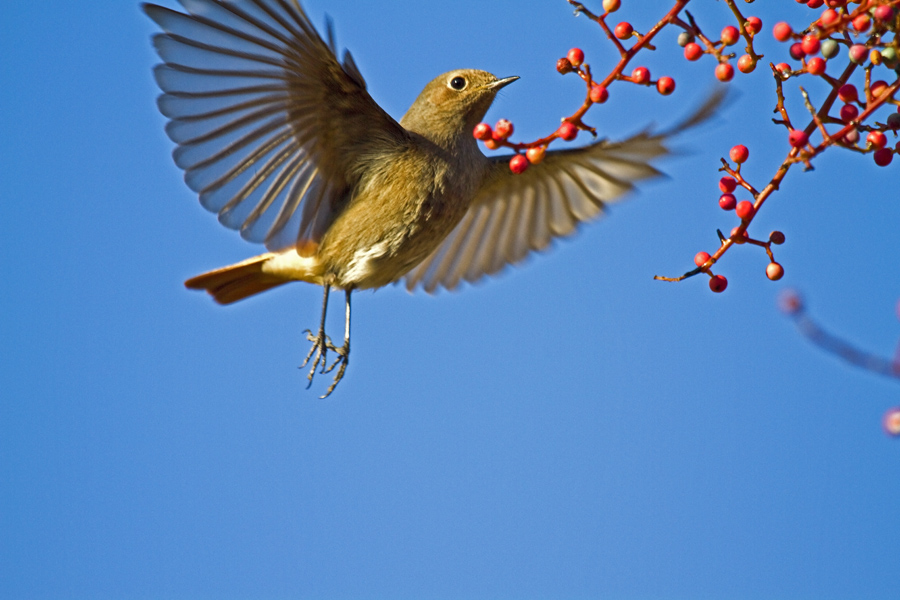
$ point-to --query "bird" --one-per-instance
(281, 139)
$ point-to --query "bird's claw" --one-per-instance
(321, 344)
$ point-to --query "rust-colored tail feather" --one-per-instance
(238, 281)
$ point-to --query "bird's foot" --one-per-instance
(321, 344)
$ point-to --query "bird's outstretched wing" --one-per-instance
(515, 215)
(271, 129)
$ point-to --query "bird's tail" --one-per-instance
(238, 281)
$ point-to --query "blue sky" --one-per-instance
(571, 429)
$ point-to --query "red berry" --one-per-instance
(810, 44)
(782, 31)
(491, 144)
(599, 94)
(849, 112)
(567, 131)
(701, 258)
(862, 23)
(730, 35)
(815, 3)
(744, 210)
(883, 157)
(724, 72)
(877, 139)
(665, 85)
(848, 93)
(623, 30)
(611, 5)
(774, 271)
(575, 56)
(503, 129)
(776, 237)
(693, 51)
(783, 68)
(564, 66)
(727, 184)
(535, 155)
(739, 239)
(815, 66)
(739, 154)
(717, 283)
(754, 24)
(641, 75)
(518, 164)
(891, 422)
(797, 138)
(482, 132)
(796, 51)
(746, 64)
(878, 88)
(884, 13)
(829, 17)
(727, 201)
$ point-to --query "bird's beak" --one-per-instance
(501, 83)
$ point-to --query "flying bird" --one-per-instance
(282, 141)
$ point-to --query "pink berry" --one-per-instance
(796, 51)
(641, 75)
(858, 53)
(730, 35)
(744, 210)
(810, 44)
(724, 72)
(815, 66)
(877, 139)
(482, 132)
(665, 85)
(567, 131)
(717, 283)
(535, 155)
(782, 31)
(849, 112)
(851, 137)
(848, 93)
(575, 56)
(774, 271)
(701, 258)
(883, 157)
(623, 30)
(727, 184)
(797, 138)
(518, 164)
(746, 64)
(693, 51)
(727, 201)
(754, 24)
(599, 94)
(503, 129)
(739, 154)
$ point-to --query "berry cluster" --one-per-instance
(868, 30)
(696, 44)
(597, 90)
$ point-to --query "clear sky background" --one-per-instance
(571, 429)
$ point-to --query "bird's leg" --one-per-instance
(321, 342)
(343, 352)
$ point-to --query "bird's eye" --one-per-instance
(458, 83)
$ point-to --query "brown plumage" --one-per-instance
(284, 143)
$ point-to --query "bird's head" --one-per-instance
(453, 103)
